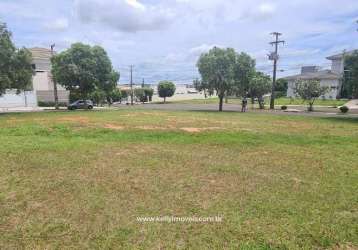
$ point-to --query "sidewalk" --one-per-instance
(352, 105)
(20, 110)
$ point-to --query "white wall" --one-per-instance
(338, 66)
(42, 81)
(24, 99)
(332, 92)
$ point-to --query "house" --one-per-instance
(331, 78)
(42, 85)
(42, 81)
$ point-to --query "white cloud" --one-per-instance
(59, 24)
(124, 15)
(197, 51)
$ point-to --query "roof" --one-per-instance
(323, 74)
(41, 53)
(340, 55)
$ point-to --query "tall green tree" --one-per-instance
(83, 69)
(260, 84)
(166, 89)
(350, 81)
(244, 72)
(15, 64)
(309, 91)
(217, 70)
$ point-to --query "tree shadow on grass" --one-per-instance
(351, 120)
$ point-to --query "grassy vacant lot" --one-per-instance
(80, 180)
(279, 101)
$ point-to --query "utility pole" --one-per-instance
(54, 82)
(143, 83)
(132, 93)
(274, 57)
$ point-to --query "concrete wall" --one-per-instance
(43, 81)
(43, 85)
(24, 99)
(338, 66)
(331, 84)
(48, 96)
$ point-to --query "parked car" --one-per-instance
(81, 104)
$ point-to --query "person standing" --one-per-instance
(244, 105)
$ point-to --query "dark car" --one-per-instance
(81, 104)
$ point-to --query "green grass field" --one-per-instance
(279, 101)
(79, 180)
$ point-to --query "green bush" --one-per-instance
(51, 104)
(149, 92)
(140, 94)
(344, 109)
(284, 107)
(280, 94)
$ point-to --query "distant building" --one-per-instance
(42, 81)
(331, 78)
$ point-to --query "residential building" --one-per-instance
(43, 83)
(331, 78)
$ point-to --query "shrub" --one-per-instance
(280, 94)
(284, 107)
(344, 109)
(166, 89)
(149, 93)
(139, 93)
(51, 104)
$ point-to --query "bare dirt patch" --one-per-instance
(198, 130)
(192, 130)
(79, 119)
(113, 126)
(153, 128)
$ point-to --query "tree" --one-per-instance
(260, 84)
(149, 92)
(350, 80)
(15, 64)
(115, 96)
(310, 90)
(217, 70)
(201, 86)
(98, 97)
(140, 95)
(281, 87)
(166, 89)
(84, 69)
(244, 72)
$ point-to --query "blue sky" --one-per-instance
(163, 38)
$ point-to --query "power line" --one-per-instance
(274, 57)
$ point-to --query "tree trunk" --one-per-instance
(261, 103)
(310, 107)
(221, 98)
(164, 99)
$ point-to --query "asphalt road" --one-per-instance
(296, 110)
